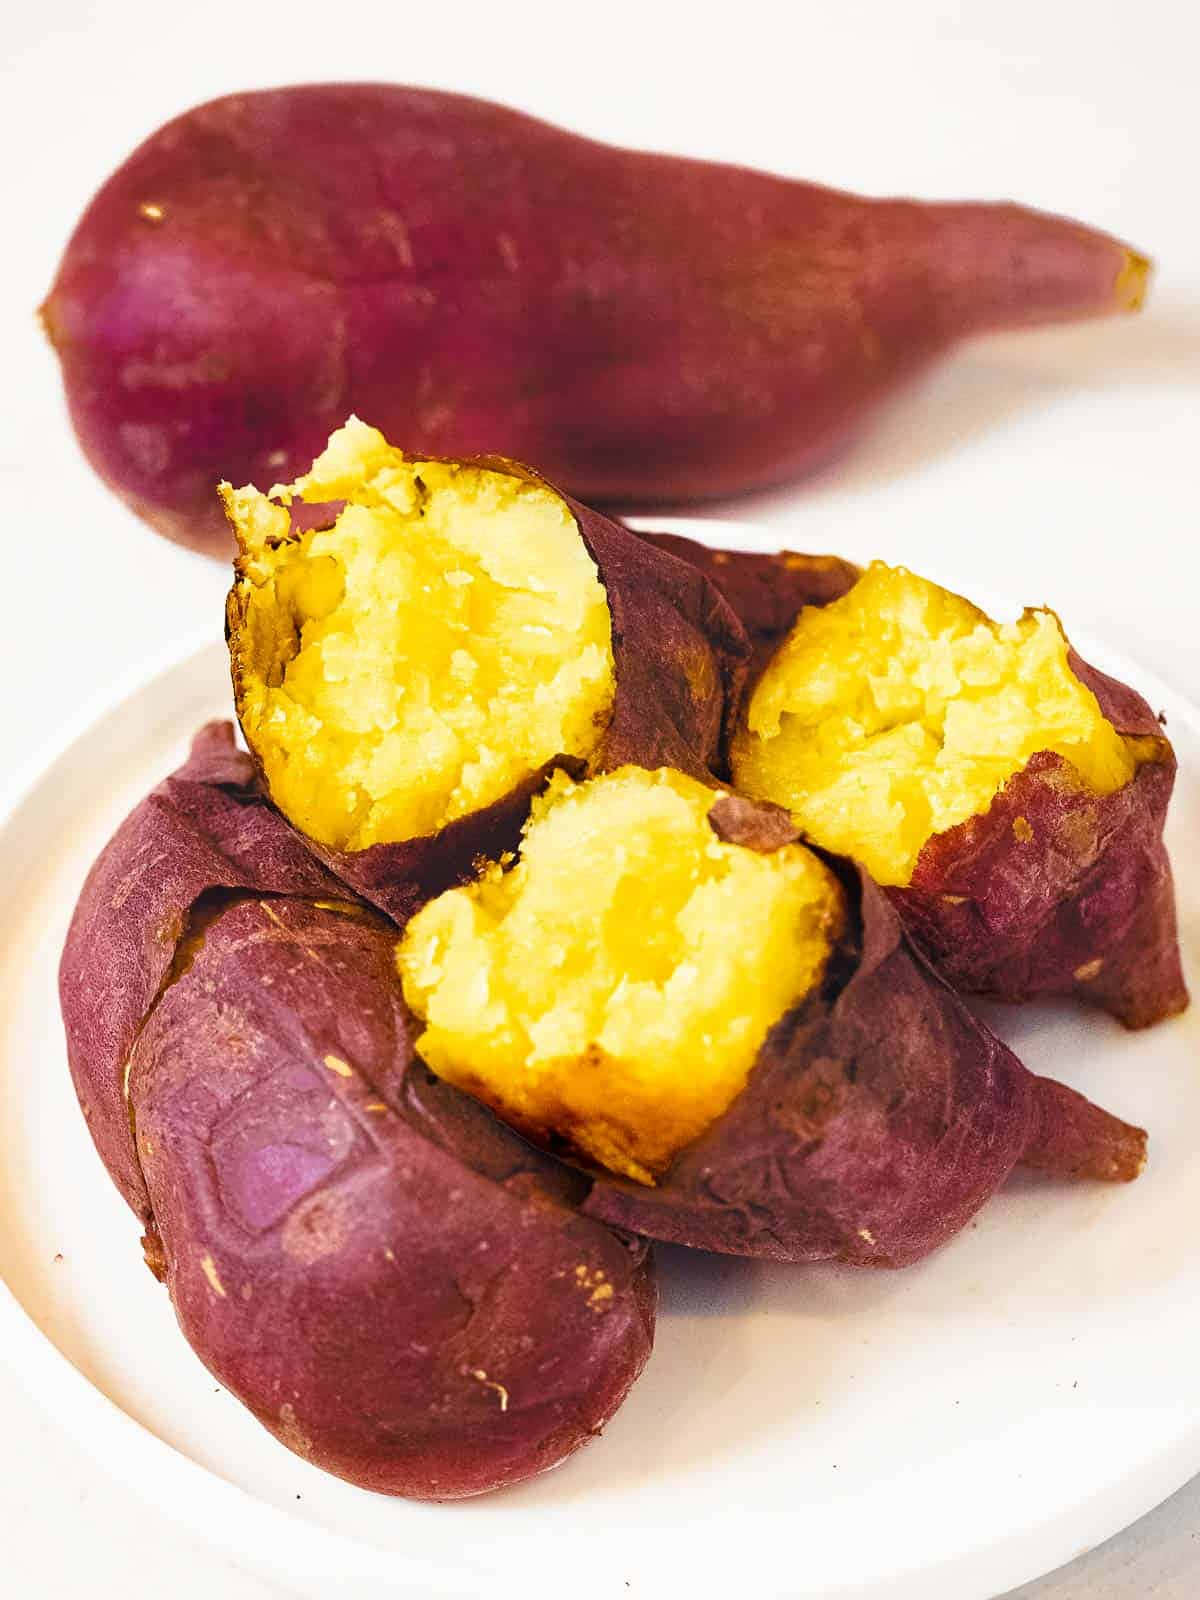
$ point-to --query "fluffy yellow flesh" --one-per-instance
(416, 661)
(614, 987)
(900, 710)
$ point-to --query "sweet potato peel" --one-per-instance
(878, 1119)
(1075, 1139)
(242, 1053)
(1058, 891)
(205, 827)
(427, 1304)
(767, 590)
(754, 824)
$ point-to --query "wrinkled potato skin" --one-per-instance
(647, 329)
(272, 1185)
(1055, 890)
(205, 827)
(767, 590)
(447, 1331)
(879, 1117)
(680, 656)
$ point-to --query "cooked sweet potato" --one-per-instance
(730, 1032)
(644, 328)
(204, 828)
(668, 956)
(399, 1288)
(408, 677)
(1010, 798)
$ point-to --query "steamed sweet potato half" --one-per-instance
(729, 1031)
(398, 1287)
(1010, 798)
(616, 985)
(408, 676)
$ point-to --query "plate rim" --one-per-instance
(200, 1500)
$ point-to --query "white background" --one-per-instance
(1061, 466)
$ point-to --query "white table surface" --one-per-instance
(1069, 458)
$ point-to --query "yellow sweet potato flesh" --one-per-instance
(900, 710)
(413, 663)
(614, 986)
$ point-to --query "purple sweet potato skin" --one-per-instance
(767, 590)
(680, 656)
(399, 1287)
(1055, 890)
(409, 1323)
(877, 1120)
(205, 827)
(1076, 1139)
(645, 328)
(680, 651)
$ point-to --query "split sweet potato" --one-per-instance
(408, 677)
(1009, 797)
(730, 1033)
(644, 328)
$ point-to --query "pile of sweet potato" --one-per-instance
(435, 1284)
(398, 1285)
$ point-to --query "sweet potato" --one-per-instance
(1088, 910)
(400, 1289)
(1010, 798)
(643, 328)
(408, 677)
(730, 1033)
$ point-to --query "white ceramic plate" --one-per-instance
(938, 1434)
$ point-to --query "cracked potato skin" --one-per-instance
(245, 1067)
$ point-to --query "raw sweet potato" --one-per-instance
(400, 1289)
(644, 328)
(731, 1033)
(408, 677)
(1009, 797)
